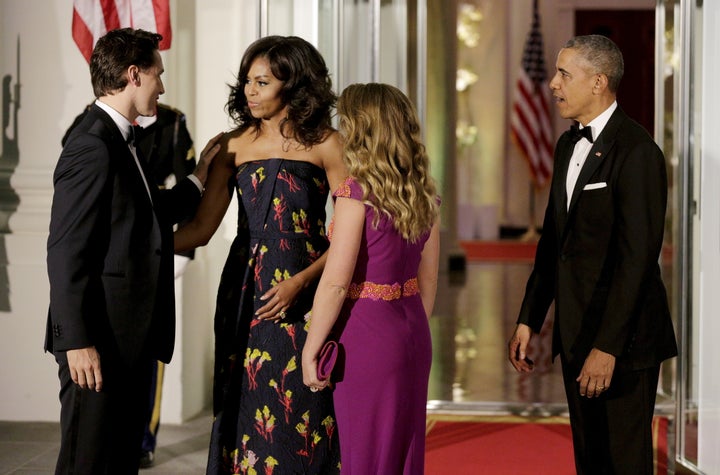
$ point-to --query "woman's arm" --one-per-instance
(428, 270)
(331, 152)
(283, 295)
(334, 282)
(213, 205)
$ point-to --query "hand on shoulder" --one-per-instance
(206, 157)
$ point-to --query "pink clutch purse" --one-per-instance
(326, 359)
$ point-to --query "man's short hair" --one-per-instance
(116, 51)
(603, 55)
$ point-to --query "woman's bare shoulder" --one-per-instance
(241, 145)
(238, 135)
(331, 147)
(331, 155)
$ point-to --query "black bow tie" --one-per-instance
(135, 132)
(576, 133)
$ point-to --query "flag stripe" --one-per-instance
(530, 124)
(162, 20)
(93, 18)
(110, 14)
(530, 109)
(142, 14)
(82, 35)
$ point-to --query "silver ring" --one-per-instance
(282, 314)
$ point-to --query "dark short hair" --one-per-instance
(306, 90)
(603, 55)
(116, 51)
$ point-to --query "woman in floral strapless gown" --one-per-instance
(378, 287)
(282, 160)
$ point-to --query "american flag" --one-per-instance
(93, 18)
(530, 117)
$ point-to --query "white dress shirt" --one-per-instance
(126, 129)
(582, 149)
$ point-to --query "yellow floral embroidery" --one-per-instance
(270, 461)
(259, 175)
(264, 422)
(279, 276)
(371, 290)
(300, 221)
(291, 365)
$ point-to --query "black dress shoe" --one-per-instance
(147, 459)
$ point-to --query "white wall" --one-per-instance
(54, 87)
(208, 42)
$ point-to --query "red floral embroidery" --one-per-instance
(289, 179)
(279, 207)
(344, 190)
(371, 290)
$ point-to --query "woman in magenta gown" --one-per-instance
(378, 286)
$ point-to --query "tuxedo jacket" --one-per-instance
(110, 248)
(598, 259)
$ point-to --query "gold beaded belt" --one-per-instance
(371, 290)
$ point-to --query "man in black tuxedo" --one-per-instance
(165, 142)
(110, 262)
(597, 259)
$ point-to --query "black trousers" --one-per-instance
(612, 434)
(102, 432)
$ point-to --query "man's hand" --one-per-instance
(206, 157)
(84, 364)
(596, 373)
(517, 349)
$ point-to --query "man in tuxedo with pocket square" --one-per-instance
(597, 259)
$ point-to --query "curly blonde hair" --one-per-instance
(384, 153)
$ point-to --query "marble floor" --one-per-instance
(474, 316)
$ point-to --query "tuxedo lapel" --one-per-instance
(144, 165)
(565, 150)
(121, 151)
(592, 162)
(599, 152)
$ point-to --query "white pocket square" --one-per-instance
(595, 186)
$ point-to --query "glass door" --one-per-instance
(677, 130)
(361, 40)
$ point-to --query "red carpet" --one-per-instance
(471, 445)
(516, 250)
(504, 250)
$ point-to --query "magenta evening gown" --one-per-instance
(382, 375)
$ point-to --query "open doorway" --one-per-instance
(634, 33)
